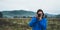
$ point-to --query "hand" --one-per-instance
(40, 18)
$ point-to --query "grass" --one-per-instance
(22, 24)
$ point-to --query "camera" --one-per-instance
(39, 15)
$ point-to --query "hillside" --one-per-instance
(20, 13)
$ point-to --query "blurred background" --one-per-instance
(16, 14)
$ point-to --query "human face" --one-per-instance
(39, 14)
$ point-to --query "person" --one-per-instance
(39, 22)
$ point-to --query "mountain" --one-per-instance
(20, 13)
(50, 15)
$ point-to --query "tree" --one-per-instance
(1, 15)
(58, 16)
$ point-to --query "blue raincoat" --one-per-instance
(38, 25)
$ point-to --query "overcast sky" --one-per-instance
(48, 6)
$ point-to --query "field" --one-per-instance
(22, 24)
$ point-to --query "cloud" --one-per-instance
(49, 6)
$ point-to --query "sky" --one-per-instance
(48, 6)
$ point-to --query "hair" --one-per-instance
(40, 10)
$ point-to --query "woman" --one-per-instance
(39, 22)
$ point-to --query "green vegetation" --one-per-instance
(22, 24)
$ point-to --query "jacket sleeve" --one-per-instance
(32, 22)
(43, 24)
